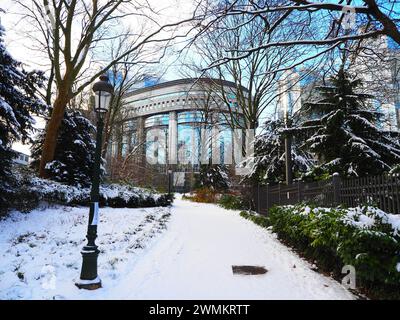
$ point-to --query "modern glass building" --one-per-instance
(166, 124)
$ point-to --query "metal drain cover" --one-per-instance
(249, 270)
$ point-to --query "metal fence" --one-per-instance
(381, 191)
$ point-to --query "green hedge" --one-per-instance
(256, 218)
(30, 191)
(364, 237)
(232, 202)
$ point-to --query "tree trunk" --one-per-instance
(389, 26)
(53, 126)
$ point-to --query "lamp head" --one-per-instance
(103, 91)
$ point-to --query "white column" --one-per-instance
(172, 138)
(215, 143)
(141, 140)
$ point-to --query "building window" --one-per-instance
(188, 143)
(190, 116)
(157, 145)
(225, 145)
(124, 146)
(157, 120)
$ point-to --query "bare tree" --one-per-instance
(319, 25)
(72, 34)
(378, 67)
(124, 76)
(256, 77)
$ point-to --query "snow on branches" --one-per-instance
(348, 138)
(18, 102)
(269, 155)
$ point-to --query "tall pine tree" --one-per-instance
(19, 101)
(215, 177)
(269, 160)
(346, 135)
(75, 150)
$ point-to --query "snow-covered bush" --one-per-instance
(31, 191)
(233, 202)
(74, 154)
(364, 237)
(256, 218)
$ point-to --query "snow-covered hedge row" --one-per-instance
(364, 237)
(33, 190)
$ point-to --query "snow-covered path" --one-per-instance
(194, 258)
(183, 252)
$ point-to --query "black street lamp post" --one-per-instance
(89, 279)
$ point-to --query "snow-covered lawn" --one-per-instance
(191, 259)
(40, 251)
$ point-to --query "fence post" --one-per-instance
(288, 159)
(254, 196)
(336, 188)
(299, 191)
(279, 192)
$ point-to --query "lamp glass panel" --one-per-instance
(102, 101)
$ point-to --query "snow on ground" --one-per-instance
(40, 251)
(191, 259)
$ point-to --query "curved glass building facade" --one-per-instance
(169, 122)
